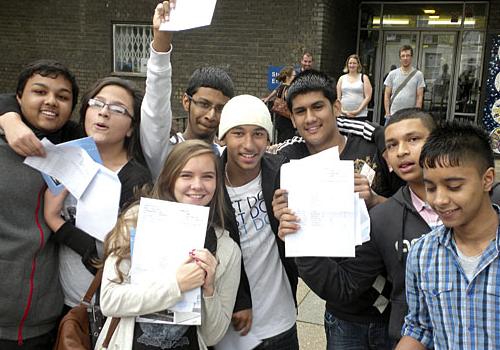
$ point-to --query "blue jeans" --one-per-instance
(345, 335)
(284, 341)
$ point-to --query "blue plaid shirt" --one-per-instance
(446, 310)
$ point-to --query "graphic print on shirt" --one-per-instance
(251, 215)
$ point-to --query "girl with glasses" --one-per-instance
(110, 114)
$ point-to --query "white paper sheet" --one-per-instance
(190, 14)
(234, 341)
(325, 207)
(97, 208)
(165, 233)
(72, 166)
(358, 239)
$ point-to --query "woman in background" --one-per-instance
(354, 90)
(282, 123)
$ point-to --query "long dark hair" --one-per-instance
(132, 143)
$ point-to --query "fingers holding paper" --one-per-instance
(208, 263)
(363, 188)
(190, 275)
(162, 39)
(288, 223)
(280, 202)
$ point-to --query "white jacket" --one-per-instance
(128, 301)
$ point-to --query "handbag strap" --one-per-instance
(96, 283)
(402, 85)
(111, 330)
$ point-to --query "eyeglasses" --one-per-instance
(206, 106)
(113, 108)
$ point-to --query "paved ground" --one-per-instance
(310, 319)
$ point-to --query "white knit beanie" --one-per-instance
(245, 110)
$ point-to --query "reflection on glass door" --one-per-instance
(469, 76)
(437, 55)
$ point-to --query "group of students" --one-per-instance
(425, 176)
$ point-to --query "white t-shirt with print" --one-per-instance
(273, 305)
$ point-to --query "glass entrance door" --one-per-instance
(434, 54)
(436, 61)
(392, 41)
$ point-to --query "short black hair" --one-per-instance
(452, 144)
(413, 113)
(310, 81)
(211, 77)
(47, 68)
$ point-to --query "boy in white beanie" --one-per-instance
(251, 178)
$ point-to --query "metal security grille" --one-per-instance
(131, 48)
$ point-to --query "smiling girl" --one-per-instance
(191, 175)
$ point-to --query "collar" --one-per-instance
(406, 73)
(417, 202)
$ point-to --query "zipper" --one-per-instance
(33, 269)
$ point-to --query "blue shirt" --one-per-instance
(446, 310)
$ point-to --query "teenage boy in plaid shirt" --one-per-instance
(453, 273)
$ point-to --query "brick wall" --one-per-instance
(245, 38)
(339, 34)
(78, 33)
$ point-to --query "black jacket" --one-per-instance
(270, 165)
(372, 304)
(395, 225)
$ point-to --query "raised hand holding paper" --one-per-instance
(189, 14)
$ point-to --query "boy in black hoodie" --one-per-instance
(360, 323)
(395, 225)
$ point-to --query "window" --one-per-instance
(131, 48)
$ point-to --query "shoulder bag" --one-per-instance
(80, 327)
(280, 107)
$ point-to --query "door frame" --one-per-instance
(417, 62)
(455, 61)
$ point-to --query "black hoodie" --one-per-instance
(395, 225)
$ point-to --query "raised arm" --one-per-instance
(156, 111)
